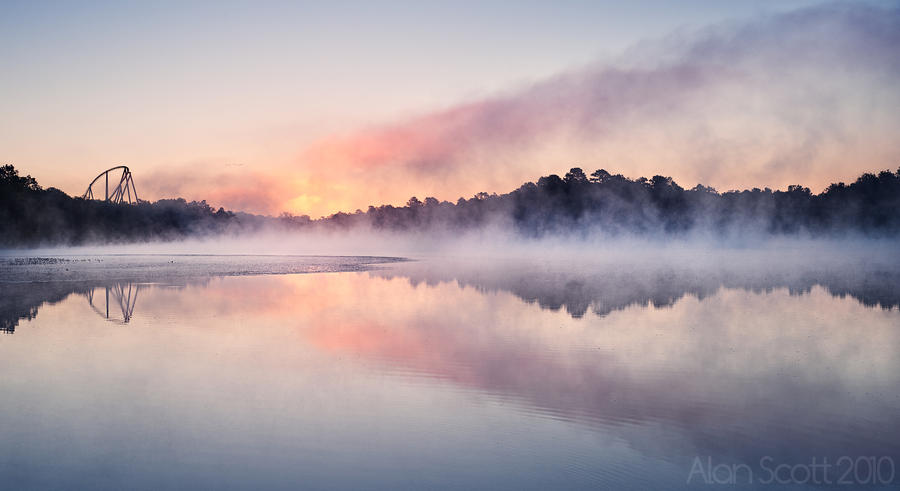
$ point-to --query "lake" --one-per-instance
(155, 372)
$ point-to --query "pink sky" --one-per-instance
(768, 98)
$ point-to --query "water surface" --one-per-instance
(440, 374)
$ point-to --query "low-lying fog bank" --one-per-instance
(496, 244)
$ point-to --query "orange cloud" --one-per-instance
(426, 138)
(250, 191)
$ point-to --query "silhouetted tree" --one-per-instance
(575, 175)
(599, 176)
(10, 181)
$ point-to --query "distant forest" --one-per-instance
(575, 204)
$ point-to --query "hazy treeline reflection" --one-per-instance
(114, 300)
(21, 301)
(577, 286)
(603, 287)
(111, 284)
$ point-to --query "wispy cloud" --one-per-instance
(808, 97)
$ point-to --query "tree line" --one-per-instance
(33, 216)
(575, 204)
(616, 205)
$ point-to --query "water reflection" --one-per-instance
(21, 301)
(600, 288)
(124, 297)
(441, 376)
(27, 283)
(737, 373)
(604, 287)
(113, 300)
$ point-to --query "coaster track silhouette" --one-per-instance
(123, 192)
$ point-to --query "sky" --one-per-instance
(319, 107)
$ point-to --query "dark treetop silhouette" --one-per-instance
(576, 204)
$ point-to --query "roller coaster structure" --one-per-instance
(123, 192)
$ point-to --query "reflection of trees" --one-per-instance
(114, 300)
(604, 288)
(8, 326)
(21, 301)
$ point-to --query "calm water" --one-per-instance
(151, 373)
